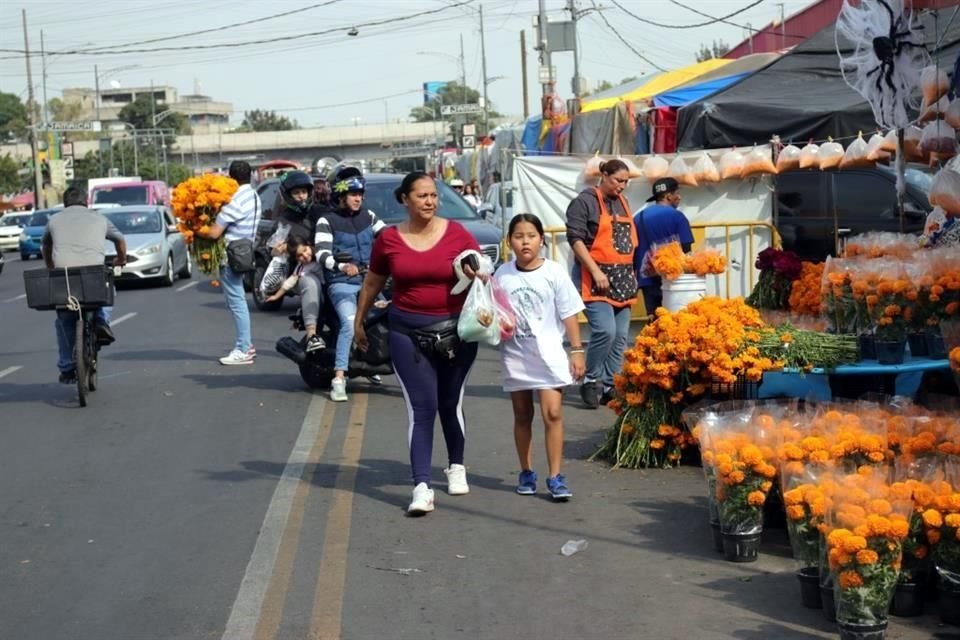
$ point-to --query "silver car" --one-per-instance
(155, 249)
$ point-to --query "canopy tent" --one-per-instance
(623, 89)
(800, 96)
(656, 85)
(682, 96)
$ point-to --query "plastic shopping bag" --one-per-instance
(945, 191)
(788, 159)
(939, 138)
(705, 170)
(757, 162)
(682, 173)
(655, 168)
(506, 316)
(830, 155)
(856, 155)
(478, 320)
(876, 149)
(808, 156)
(731, 165)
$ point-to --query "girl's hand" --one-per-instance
(578, 366)
(360, 337)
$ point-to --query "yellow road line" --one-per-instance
(271, 613)
(326, 619)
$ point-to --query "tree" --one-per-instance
(122, 155)
(449, 94)
(717, 49)
(140, 112)
(13, 117)
(262, 120)
(10, 179)
(64, 111)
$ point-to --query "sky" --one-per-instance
(334, 79)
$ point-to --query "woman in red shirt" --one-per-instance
(429, 360)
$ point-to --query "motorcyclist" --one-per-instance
(300, 210)
(349, 229)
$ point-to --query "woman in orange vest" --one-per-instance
(601, 233)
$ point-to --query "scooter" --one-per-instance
(317, 367)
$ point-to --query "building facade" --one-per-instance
(204, 114)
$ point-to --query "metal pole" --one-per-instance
(96, 104)
(483, 66)
(576, 55)
(153, 139)
(546, 87)
(43, 67)
(136, 160)
(37, 171)
(463, 71)
(783, 29)
(523, 73)
(166, 166)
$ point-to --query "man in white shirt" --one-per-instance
(238, 220)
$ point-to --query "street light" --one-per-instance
(106, 73)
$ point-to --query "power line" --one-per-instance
(685, 26)
(624, 41)
(346, 104)
(734, 24)
(273, 40)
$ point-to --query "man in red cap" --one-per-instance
(658, 223)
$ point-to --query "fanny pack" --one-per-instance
(439, 340)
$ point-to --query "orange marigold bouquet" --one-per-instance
(670, 262)
(196, 203)
(941, 522)
(805, 296)
(745, 465)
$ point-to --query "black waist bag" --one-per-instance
(439, 340)
(240, 256)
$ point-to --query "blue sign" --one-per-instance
(431, 90)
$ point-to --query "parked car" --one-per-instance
(11, 226)
(156, 251)
(32, 233)
(497, 206)
(810, 204)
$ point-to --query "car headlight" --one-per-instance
(146, 251)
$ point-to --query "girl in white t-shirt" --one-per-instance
(546, 303)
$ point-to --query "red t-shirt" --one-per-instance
(422, 280)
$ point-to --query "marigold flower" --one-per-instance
(850, 580)
(736, 477)
(756, 498)
(867, 556)
(853, 544)
(932, 518)
(933, 536)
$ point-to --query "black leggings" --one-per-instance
(430, 385)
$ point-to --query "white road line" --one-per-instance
(15, 298)
(188, 285)
(116, 321)
(242, 624)
(9, 370)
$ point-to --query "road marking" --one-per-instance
(115, 321)
(188, 285)
(242, 623)
(326, 620)
(9, 370)
(15, 298)
(271, 612)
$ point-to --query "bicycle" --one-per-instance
(85, 350)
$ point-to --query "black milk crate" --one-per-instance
(91, 286)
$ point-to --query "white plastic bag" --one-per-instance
(856, 155)
(952, 114)
(592, 170)
(808, 156)
(478, 319)
(935, 83)
(682, 173)
(830, 155)
(876, 151)
(655, 168)
(731, 165)
(632, 170)
(945, 191)
(940, 138)
(933, 111)
(705, 170)
(911, 144)
(890, 141)
(756, 163)
(788, 159)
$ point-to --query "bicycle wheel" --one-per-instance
(91, 351)
(80, 360)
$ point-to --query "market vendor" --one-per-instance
(658, 223)
(604, 239)
(942, 233)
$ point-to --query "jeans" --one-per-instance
(343, 295)
(609, 332)
(310, 290)
(66, 328)
(236, 297)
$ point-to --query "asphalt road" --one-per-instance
(195, 501)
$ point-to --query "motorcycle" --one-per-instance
(317, 367)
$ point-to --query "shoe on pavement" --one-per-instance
(422, 502)
(606, 396)
(557, 486)
(236, 357)
(457, 480)
(527, 483)
(315, 343)
(104, 334)
(68, 377)
(338, 390)
(590, 393)
(375, 380)
(252, 351)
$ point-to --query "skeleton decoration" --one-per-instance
(881, 56)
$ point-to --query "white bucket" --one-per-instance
(680, 292)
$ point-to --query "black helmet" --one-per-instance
(296, 180)
(343, 172)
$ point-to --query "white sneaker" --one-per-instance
(457, 480)
(422, 502)
(237, 357)
(338, 390)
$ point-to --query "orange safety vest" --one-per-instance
(612, 250)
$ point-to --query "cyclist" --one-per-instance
(348, 229)
(74, 238)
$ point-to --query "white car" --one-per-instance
(11, 226)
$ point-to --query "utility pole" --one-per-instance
(153, 123)
(783, 29)
(38, 202)
(43, 68)
(571, 7)
(96, 106)
(483, 66)
(523, 73)
(463, 72)
(547, 87)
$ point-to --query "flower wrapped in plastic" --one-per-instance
(196, 203)
(941, 521)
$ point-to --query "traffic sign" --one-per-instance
(460, 109)
(469, 141)
(469, 129)
(87, 125)
(68, 173)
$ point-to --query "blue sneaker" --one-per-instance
(527, 484)
(557, 486)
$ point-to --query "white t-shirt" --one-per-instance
(534, 358)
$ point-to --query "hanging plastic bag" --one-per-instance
(757, 162)
(705, 170)
(890, 141)
(911, 145)
(856, 155)
(682, 173)
(632, 170)
(876, 151)
(952, 114)
(655, 168)
(592, 170)
(940, 138)
(945, 191)
(731, 165)
(788, 159)
(935, 110)
(830, 155)
(506, 316)
(478, 320)
(808, 156)
(934, 82)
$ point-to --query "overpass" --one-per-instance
(300, 145)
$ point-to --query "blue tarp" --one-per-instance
(683, 96)
(531, 136)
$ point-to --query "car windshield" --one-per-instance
(122, 196)
(133, 222)
(40, 218)
(13, 221)
(379, 198)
